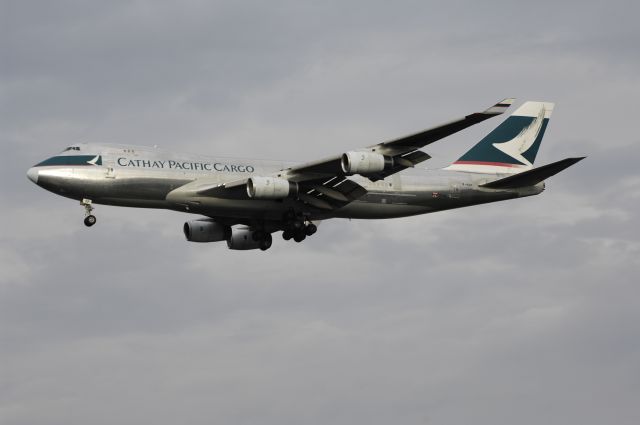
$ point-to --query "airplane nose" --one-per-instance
(32, 174)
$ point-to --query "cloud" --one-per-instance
(516, 311)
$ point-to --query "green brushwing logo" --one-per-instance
(97, 160)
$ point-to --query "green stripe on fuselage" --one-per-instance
(70, 160)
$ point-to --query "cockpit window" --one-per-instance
(72, 148)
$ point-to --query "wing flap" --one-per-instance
(315, 202)
(332, 194)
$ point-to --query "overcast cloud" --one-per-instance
(521, 312)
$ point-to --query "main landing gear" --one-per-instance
(297, 228)
(264, 238)
(89, 219)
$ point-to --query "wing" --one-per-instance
(404, 151)
(325, 184)
(324, 194)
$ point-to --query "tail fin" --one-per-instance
(512, 146)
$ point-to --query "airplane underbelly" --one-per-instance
(365, 210)
(221, 207)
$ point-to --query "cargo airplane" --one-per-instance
(244, 201)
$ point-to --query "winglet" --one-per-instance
(499, 107)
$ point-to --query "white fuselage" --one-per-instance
(136, 176)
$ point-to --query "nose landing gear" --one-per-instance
(89, 219)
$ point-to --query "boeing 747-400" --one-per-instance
(244, 201)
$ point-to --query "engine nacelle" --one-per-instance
(206, 231)
(242, 239)
(365, 163)
(270, 188)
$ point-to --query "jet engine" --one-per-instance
(242, 239)
(205, 231)
(365, 163)
(270, 188)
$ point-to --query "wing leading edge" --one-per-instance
(405, 150)
(324, 184)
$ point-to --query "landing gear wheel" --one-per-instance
(299, 236)
(266, 242)
(90, 220)
(287, 235)
(311, 229)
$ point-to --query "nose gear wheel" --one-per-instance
(89, 219)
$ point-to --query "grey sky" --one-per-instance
(520, 312)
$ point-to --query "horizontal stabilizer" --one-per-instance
(534, 176)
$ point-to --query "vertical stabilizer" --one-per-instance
(512, 146)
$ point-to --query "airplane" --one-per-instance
(244, 201)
